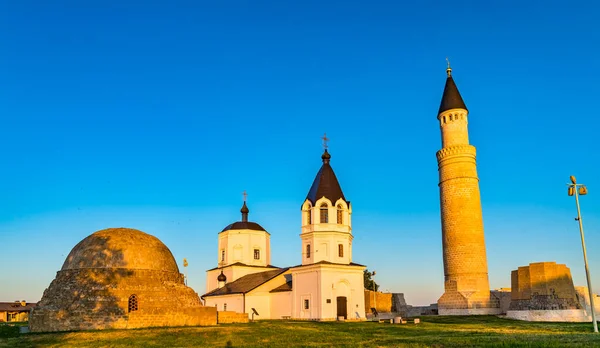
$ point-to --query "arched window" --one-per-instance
(223, 255)
(340, 216)
(133, 303)
(341, 250)
(308, 251)
(309, 215)
(324, 213)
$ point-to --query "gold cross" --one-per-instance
(325, 140)
(245, 195)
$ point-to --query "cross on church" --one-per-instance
(325, 140)
(245, 195)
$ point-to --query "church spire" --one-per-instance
(245, 209)
(325, 183)
(451, 98)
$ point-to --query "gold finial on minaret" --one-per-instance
(448, 69)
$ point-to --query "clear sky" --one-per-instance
(157, 115)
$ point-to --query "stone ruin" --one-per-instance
(543, 286)
(119, 278)
(544, 291)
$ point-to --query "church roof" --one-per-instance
(451, 98)
(243, 265)
(246, 283)
(323, 262)
(285, 287)
(244, 224)
(325, 183)
(16, 306)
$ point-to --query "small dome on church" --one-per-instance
(244, 224)
(222, 277)
(121, 248)
(244, 209)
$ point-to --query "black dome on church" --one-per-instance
(244, 224)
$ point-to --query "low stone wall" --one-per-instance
(564, 315)
(52, 321)
(228, 317)
(502, 298)
(469, 311)
(378, 300)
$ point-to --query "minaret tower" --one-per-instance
(467, 289)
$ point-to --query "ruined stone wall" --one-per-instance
(503, 298)
(88, 299)
(543, 286)
(228, 317)
(379, 300)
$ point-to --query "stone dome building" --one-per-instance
(119, 278)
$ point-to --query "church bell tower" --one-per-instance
(467, 289)
(326, 219)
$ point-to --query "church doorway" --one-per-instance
(342, 307)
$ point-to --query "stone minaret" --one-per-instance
(467, 289)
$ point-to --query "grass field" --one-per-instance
(480, 331)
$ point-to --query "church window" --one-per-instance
(308, 217)
(224, 306)
(256, 254)
(324, 213)
(341, 250)
(133, 303)
(223, 255)
(308, 251)
(340, 216)
(306, 304)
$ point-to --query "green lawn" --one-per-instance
(477, 331)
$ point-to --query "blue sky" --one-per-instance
(157, 115)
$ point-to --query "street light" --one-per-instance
(576, 189)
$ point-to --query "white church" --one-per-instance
(326, 286)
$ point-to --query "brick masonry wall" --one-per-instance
(88, 299)
(228, 317)
(543, 286)
(465, 262)
(381, 301)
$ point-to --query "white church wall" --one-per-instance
(260, 298)
(281, 305)
(239, 246)
(233, 302)
(261, 303)
(305, 287)
(342, 282)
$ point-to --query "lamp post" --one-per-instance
(576, 190)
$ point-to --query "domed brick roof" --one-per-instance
(121, 248)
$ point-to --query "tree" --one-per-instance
(369, 282)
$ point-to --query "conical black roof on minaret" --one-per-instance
(451, 98)
(325, 184)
